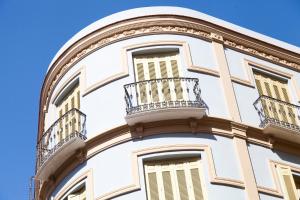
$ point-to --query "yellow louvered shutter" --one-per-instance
(275, 88)
(287, 183)
(69, 123)
(157, 66)
(174, 179)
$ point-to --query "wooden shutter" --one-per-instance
(275, 88)
(156, 66)
(70, 122)
(174, 179)
(287, 183)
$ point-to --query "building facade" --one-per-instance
(168, 103)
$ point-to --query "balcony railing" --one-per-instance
(164, 93)
(278, 113)
(69, 126)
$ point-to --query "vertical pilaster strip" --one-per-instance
(239, 132)
(225, 77)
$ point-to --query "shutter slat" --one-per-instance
(153, 186)
(142, 86)
(152, 75)
(182, 185)
(167, 185)
(165, 83)
(177, 83)
(196, 184)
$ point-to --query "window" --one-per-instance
(158, 66)
(69, 119)
(290, 183)
(76, 193)
(278, 90)
(174, 179)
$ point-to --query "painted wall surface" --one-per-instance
(106, 165)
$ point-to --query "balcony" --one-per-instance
(163, 99)
(59, 142)
(279, 118)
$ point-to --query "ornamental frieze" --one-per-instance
(116, 36)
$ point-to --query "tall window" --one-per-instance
(290, 183)
(278, 89)
(69, 121)
(174, 179)
(158, 66)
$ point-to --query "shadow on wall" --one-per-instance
(177, 135)
(288, 157)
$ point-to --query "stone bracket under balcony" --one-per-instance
(52, 151)
(146, 101)
(278, 118)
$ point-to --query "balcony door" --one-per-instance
(277, 89)
(158, 66)
(69, 121)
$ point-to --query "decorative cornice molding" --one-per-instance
(159, 25)
(261, 54)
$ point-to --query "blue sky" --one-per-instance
(32, 31)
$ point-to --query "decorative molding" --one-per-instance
(261, 54)
(209, 125)
(159, 25)
(170, 148)
(229, 94)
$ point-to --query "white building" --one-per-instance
(121, 115)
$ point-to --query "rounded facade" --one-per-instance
(169, 103)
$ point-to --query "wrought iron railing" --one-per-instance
(163, 93)
(277, 112)
(68, 126)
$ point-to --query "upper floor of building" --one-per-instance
(161, 63)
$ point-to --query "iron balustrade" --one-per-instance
(68, 126)
(163, 93)
(277, 112)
